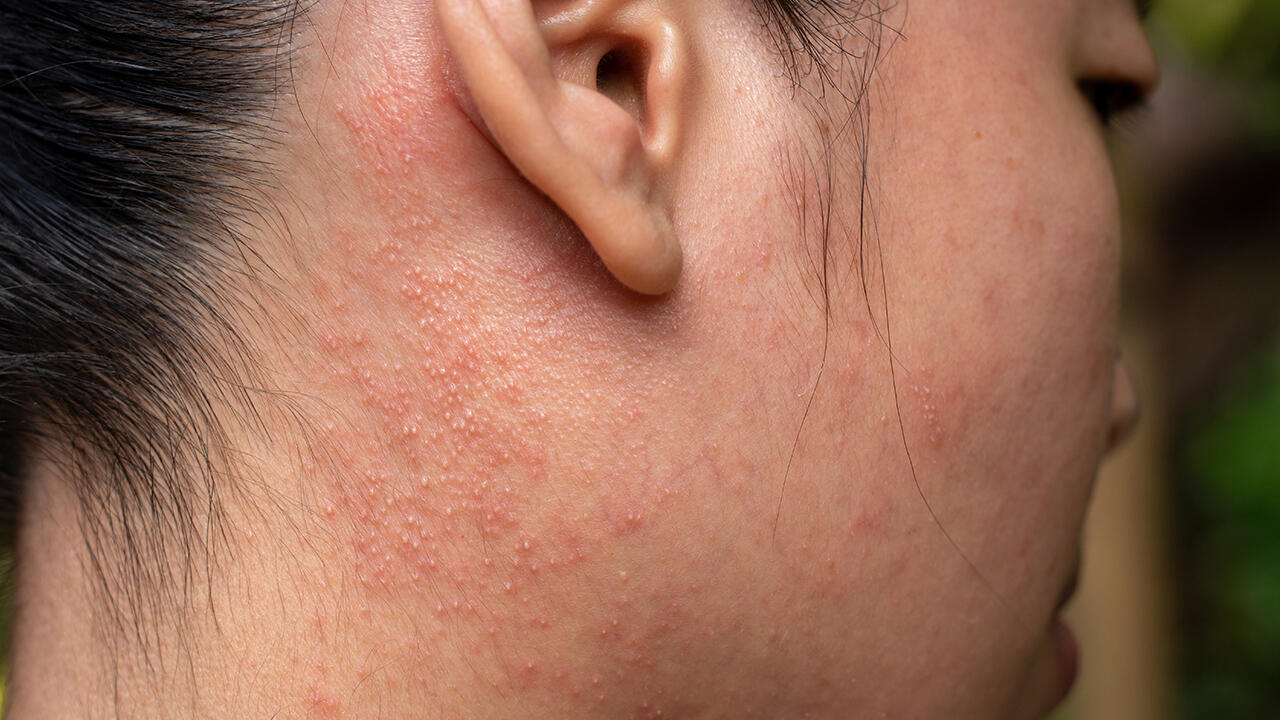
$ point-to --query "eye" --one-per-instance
(1110, 98)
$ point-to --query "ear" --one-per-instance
(584, 101)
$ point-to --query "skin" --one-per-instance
(520, 488)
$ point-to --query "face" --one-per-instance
(840, 471)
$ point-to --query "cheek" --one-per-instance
(475, 423)
(1001, 256)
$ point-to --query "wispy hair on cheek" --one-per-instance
(831, 50)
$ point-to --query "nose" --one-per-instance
(1124, 406)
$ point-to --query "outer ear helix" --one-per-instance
(666, 85)
(579, 148)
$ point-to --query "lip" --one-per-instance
(1067, 659)
(1068, 591)
(1066, 648)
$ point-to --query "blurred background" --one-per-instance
(1179, 609)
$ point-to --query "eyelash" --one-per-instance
(1112, 99)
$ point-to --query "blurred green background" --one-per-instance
(1179, 612)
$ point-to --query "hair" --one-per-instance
(129, 138)
(128, 132)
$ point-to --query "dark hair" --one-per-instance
(128, 132)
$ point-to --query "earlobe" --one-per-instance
(568, 131)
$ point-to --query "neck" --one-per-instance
(282, 624)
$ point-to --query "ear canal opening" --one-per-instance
(620, 76)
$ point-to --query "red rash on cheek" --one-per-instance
(428, 448)
(321, 701)
(440, 452)
(435, 476)
(434, 449)
(470, 476)
(925, 403)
